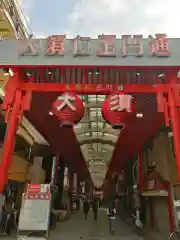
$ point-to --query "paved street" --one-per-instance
(77, 228)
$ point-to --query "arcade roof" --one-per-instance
(97, 138)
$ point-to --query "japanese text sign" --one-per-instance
(107, 50)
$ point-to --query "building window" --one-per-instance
(171, 140)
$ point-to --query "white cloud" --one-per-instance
(92, 17)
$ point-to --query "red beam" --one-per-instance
(96, 88)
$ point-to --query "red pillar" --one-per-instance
(9, 141)
(175, 122)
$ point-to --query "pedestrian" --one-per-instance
(95, 209)
(111, 213)
(86, 208)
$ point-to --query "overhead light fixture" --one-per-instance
(138, 74)
(51, 113)
(139, 115)
(28, 74)
(161, 75)
(8, 72)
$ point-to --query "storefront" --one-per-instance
(157, 203)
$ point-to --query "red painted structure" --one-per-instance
(157, 101)
(19, 98)
(32, 91)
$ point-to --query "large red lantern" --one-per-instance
(69, 109)
(118, 109)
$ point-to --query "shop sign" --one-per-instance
(37, 196)
(108, 46)
(38, 188)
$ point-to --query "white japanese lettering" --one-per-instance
(66, 101)
(120, 102)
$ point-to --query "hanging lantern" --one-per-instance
(69, 109)
(118, 109)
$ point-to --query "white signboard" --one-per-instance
(35, 211)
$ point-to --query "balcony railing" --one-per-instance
(17, 18)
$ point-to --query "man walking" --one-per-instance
(95, 209)
(111, 213)
(86, 208)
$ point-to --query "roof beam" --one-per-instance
(91, 119)
(107, 147)
(94, 129)
(97, 155)
(94, 104)
(92, 139)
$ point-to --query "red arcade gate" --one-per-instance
(146, 68)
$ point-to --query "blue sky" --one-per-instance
(47, 18)
(93, 17)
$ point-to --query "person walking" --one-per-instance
(86, 208)
(95, 209)
(111, 213)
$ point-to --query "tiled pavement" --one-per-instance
(77, 228)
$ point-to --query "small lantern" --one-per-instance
(69, 109)
(117, 109)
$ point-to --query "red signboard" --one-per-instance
(38, 188)
(36, 196)
(34, 188)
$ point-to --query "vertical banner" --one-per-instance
(36, 170)
(82, 184)
(74, 183)
(54, 169)
(66, 179)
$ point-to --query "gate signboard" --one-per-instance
(35, 211)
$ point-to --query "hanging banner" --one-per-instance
(74, 183)
(82, 184)
(66, 179)
(54, 168)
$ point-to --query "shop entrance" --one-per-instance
(139, 77)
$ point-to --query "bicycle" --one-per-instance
(174, 235)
